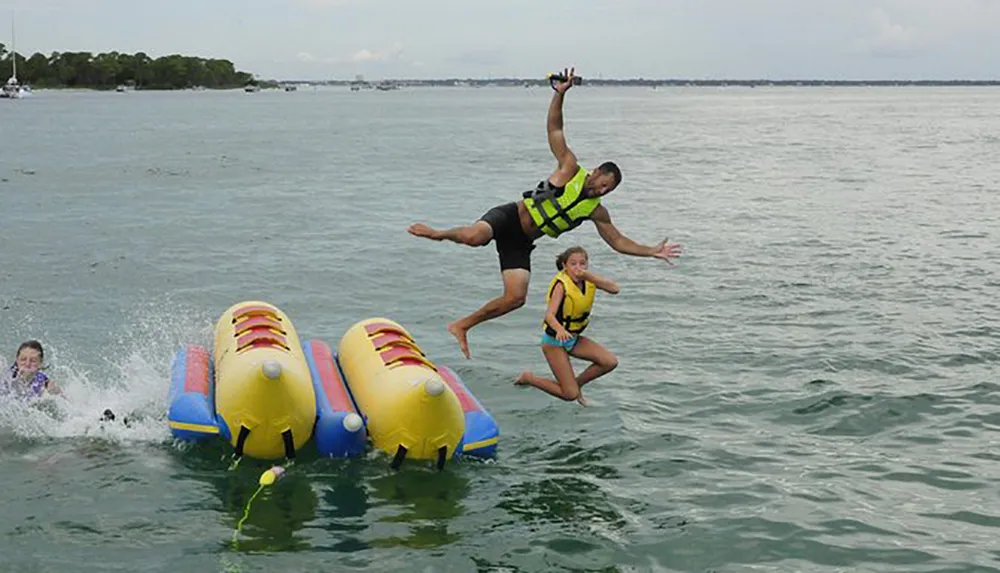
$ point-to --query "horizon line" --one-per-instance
(594, 80)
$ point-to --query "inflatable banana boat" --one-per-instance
(266, 394)
(413, 407)
(261, 390)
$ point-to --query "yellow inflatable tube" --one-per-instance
(263, 388)
(411, 412)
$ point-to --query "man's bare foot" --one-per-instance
(460, 334)
(522, 380)
(581, 400)
(421, 230)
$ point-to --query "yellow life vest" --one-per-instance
(574, 311)
(556, 210)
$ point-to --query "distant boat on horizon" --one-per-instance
(13, 88)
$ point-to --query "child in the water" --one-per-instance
(25, 375)
(26, 378)
(569, 301)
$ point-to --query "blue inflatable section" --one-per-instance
(339, 430)
(482, 434)
(191, 416)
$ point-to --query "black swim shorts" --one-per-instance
(513, 245)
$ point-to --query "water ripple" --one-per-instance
(812, 388)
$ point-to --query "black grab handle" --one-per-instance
(553, 78)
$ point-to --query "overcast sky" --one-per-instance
(321, 39)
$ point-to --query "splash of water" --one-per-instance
(132, 380)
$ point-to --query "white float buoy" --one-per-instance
(434, 387)
(352, 422)
(271, 369)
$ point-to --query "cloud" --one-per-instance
(394, 53)
(307, 57)
(362, 56)
(908, 27)
(890, 38)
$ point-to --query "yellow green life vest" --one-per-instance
(555, 210)
(574, 312)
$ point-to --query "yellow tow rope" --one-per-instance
(266, 479)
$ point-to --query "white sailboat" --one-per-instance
(13, 89)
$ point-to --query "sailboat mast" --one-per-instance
(13, 46)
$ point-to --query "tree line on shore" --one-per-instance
(109, 70)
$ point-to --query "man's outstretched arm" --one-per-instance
(622, 244)
(557, 137)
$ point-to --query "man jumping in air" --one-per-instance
(559, 204)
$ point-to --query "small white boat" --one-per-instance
(13, 89)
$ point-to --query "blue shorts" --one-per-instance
(553, 341)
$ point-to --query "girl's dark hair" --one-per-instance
(565, 255)
(33, 344)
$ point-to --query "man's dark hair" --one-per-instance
(610, 167)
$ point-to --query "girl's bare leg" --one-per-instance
(602, 360)
(564, 386)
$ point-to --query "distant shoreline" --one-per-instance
(522, 83)
(649, 82)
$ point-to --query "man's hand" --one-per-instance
(667, 251)
(561, 87)
(422, 230)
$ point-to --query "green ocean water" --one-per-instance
(812, 388)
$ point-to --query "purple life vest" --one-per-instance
(36, 384)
